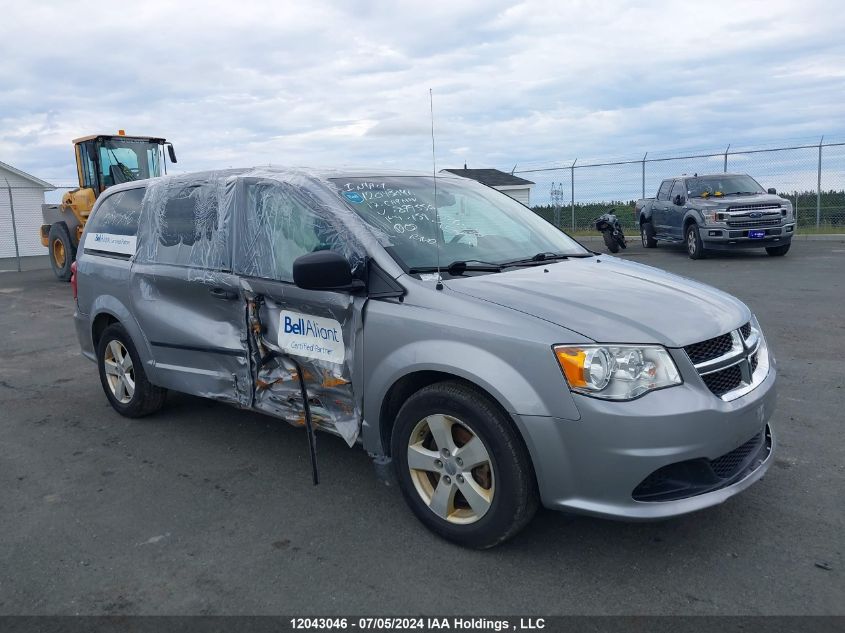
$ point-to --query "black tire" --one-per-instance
(59, 244)
(695, 247)
(778, 251)
(146, 397)
(647, 235)
(610, 242)
(514, 499)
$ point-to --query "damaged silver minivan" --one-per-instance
(497, 362)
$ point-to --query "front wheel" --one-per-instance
(695, 247)
(778, 251)
(462, 467)
(62, 251)
(610, 242)
(647, 235)
(123, 377)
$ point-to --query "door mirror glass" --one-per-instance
(322, 270)
(772, 190)
(679, 200)
(171, 152)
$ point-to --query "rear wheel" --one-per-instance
(647, 235)
(462, 467)
(610, 242)
(122, 375)
(62, 251)
(695, 248)
(778, 251)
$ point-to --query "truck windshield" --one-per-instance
(722, 185)
(125, 160)
(471, 222)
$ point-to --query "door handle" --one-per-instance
(220, 293)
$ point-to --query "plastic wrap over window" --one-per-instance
(283, 219)
(188, 222)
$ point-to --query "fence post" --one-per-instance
(14, 226)
(726, 157)
(644, 157)
(572, 190)
(819, 188)
(795, 210)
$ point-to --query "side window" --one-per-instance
(280, 224)
(663, 192)
(186, 226)
(89, 170)
(678, 190)
(118, 214)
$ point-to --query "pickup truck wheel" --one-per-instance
(610, 242)
(461, 466)
(695, 248)
(647, 235)
(778, 251)
(62, 252)
(122, 375)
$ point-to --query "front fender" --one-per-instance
(517, 393)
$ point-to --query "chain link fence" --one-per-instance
(812, 176)
(569, 194)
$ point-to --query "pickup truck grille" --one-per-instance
(769, 206)
(746, 223)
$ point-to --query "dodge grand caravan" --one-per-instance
(443, 326)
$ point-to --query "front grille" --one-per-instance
(753, 361)
(745, 330)
(742, 223)
(731, 463)
(723, 381)
(709, 349)
(766, 206)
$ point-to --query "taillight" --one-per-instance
(73, 279)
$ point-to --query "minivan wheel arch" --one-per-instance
(409, 384)
(99, 325)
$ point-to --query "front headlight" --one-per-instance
(617, 372)
(709, 216)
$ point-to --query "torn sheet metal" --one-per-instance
(250, 225)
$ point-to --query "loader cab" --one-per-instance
(103, 161)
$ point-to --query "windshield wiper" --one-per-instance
(541, 258)
(459, 267)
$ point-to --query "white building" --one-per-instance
(28, 196)
(517, 188)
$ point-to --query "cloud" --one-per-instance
(343, 83)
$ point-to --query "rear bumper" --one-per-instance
(725, 238)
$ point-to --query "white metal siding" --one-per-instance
(28, 198)
(520, 195)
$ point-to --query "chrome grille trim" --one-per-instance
(743, 350)
(764, 206)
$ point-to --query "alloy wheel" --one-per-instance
(451, 469)
(120, 372)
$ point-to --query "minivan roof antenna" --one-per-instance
(439, 285)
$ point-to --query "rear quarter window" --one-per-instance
(119, 213)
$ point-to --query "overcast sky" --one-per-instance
(242, 83)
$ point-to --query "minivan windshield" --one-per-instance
(707, 186)
(470, 223)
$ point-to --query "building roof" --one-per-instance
(490, 177)
(41, 183)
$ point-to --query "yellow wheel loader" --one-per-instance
(101, 161)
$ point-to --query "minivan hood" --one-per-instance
(611, 300)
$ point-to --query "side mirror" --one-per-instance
(679, 200)
(171, 152)
(323, 270)
(772, 190)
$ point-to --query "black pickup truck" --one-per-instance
(716, 212)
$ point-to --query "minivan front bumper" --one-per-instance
(594, 465)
